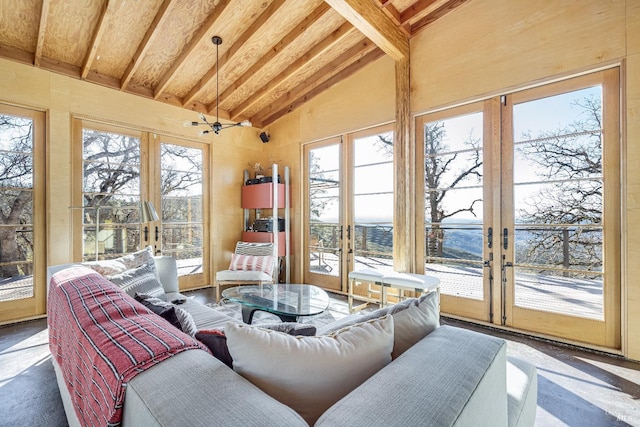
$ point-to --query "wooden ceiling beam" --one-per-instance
(346, 72)
(244, 37)
(151, 34)
(436, 14)
(291, 99)
(418, 8)
(312, 55)
(204, 32)
(375, 25)
(291, 36)
(44, 15)
(96, 38)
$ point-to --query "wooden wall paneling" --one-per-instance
(65, 37)
(147, 40)
(172, 35)
(201, 36)
(295, 95)
(16, 14)
(237, 44)
(126, 29)
(322, 47)
(532, 44)
(257, 76)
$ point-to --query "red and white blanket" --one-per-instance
(101, 338)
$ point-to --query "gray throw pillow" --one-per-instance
(142, 279)
(413, 319)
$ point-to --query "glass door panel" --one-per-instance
(454, 208)
(110, 193)
(22, 210)
(182, 187)
(373, 201)
(323, 254)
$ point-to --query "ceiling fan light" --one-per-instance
(245, 123)
(188, 124)
(204, 132)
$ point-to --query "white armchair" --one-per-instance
(251, 264)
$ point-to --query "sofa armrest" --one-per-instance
(195, 389)
(168, 273)
(452, 377)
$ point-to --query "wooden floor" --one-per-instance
(575, 387)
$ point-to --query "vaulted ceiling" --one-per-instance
(275, 54)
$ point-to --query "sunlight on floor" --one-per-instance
(32, 352)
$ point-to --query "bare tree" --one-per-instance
(441, 178)
(570, 158)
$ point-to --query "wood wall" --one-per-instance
(490, 47)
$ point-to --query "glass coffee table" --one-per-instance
(287, 301)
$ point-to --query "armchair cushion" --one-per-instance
(252, 263)
(243, 276)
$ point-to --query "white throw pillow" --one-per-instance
(416, 321)
(310, 374)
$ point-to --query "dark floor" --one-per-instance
(575, 387)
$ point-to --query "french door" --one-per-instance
(522, 209)
(22, 213)
(348, 206)
(121, 168)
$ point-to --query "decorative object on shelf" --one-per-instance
(216, 126)
(258, 170)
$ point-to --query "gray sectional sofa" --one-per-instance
(451, 377)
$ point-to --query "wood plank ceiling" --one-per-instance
(275, 56)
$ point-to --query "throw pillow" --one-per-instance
(167, 313)
(115, 266)
(136, 259)
(310, 374)
(107, 267)
(187, 324)
(216, 340)
(142, 279)
(413, 319)
(252, 263)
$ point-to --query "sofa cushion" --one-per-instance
(309, 374)
(413, 319)
(142, 279)
(451, 377)
(216, 340)
(185, 320)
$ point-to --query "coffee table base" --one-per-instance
(248, 312)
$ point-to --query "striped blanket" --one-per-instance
(101, 338)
